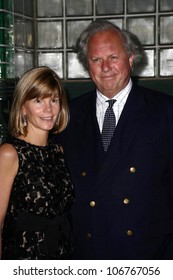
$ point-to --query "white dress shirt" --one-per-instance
(102, 105)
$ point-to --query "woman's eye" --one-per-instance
(37, 100)
(55, 100)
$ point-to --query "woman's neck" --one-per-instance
(38, 140)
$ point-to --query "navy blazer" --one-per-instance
(124, 198)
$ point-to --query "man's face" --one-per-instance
(109, 65)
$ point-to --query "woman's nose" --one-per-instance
(47, 106)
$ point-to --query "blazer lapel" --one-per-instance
(88, 132)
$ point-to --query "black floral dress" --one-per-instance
(37, 223)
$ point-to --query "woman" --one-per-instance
(35, 188)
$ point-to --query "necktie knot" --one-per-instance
(111, 103)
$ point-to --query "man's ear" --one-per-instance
(131, 59)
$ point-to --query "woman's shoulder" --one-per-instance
(8, 160)
(8, 152)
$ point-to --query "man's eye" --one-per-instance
(114, 57)
(95, 59)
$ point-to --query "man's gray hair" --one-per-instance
(130, 40)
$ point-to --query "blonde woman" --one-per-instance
(35, 188)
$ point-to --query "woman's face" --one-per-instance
(41, 113)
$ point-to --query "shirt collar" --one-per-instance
(123, 94)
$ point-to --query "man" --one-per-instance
(124, 191)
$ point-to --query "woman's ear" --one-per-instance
(23, 111)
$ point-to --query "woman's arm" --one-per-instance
(8, 171)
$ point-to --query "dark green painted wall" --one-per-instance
(75, 89)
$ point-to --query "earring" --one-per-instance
(24, 121)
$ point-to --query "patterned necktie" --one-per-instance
(108, 125)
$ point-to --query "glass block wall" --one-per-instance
(16, 37)
(16, 51)
(59, 23)
(24, 36)
(6, 39)
(43, 32)
(6, 60)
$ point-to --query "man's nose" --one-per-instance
(106, 66)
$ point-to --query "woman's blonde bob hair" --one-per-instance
(40, 82)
